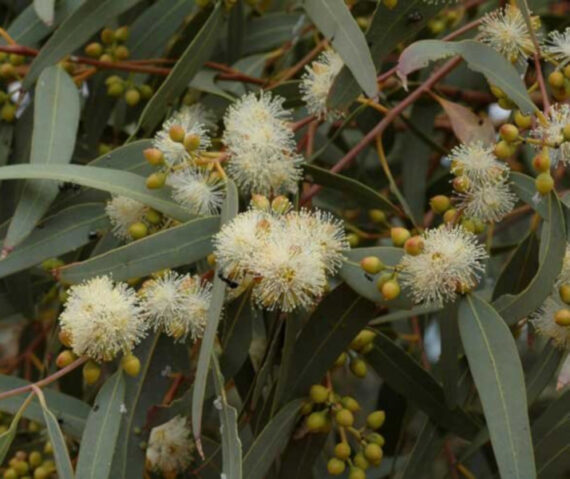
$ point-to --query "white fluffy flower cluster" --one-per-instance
(197, 190)
(557, 118)
(451, 262)
(544, 318)
(285, 258)
(316, 84)
(102, 319)
(261, 145)
(170, 447)
(506, 31)
(194, 120)
(487, 196)
(177, 304)
(557, 46)
(124, 212)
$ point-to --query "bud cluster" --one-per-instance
(111, 48)
(132, 93)
(34, 464)
(354, 356)
(359, 447)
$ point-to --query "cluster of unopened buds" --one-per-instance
(32, 464)
(559, 81)
(358, 348)
(111, 48)
(359, 447)
(131, 92)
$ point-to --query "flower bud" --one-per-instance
(399, 235)
(344, 418)
(131, 365)
(260, 202)
(115, 89)
(358, 367)
(360, 461)
(468, 225)
(562, 317)
(357, 473)
(306, 408)
(377, 216)
(522, 121)
(153, 217)
(509, 132)
(544, 183)
(177, 133)
(106, 58)
(440, 204)
(461, 184)
(390, 289)
(191, 142)
(376, 419)
(373, 453)
(390, 4)
(281, 204)
(372, 264)
(122, 34)
(564, 291)
(353, 240)
(154, 156)
(94, 50)
(541, 162)
(342, 451)
(11, 473)
(495, 90)
(41, 473)
(91, 372)
(65, 358)
(384, 277)
(414, 245)
(341, 360)
(449, 215)
(479, 226)
(16, 59)
(146, 91)
(376, 438)
(132, 97)
(505, 103)
(156, 180)
(107, 36)
(138, 230)
(318, 394)
(335, 466)
(21, 467)
(363, 338)
(35, 458)
(566, 132)
(556, 79)
(7, 70)
(350, 403)
(316, 421)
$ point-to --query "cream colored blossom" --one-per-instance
(103, 319)
(506, 31)
(197, 190)
(170, 446)
(557, 118)
(544, 323)
(317, 82)
(122, 213)
(558, 46)
(452, 260)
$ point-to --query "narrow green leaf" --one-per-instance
(60, 452)
(155, 26)
(170, 248)
(75, 31)
(186, 67)
(102, 430)
(236, 32)
(113, 181)
(334, 20)
(61, 233)
(71, 412)
(405, 376)
(518, 271)
(523, 186)
(552, 248)
(388, 28)
(542, 372)
(56, 118)
(270, 442)
(449, 353)
(339, 317)
(557, 413)
(229, 210)
(495, 365)
(552, 456)
(8, 436)
(479, 57)
(144, 393)
(301, 455)
(231, 444)
(270, 31)
(45, 10)
(428, 444)
(347, 185)
(128, 157)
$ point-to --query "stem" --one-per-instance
(385, 122)
(44, 382)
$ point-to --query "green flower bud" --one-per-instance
(390, 289)
(373, 453)
(440, 204)
(318, 394)
(344, 418)
(358, 367)
(376, 419)
(544, 183)
(138, 230)
(399, 235)
(372, 264)
(342, 451)
(562, 317)
(335, 466)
